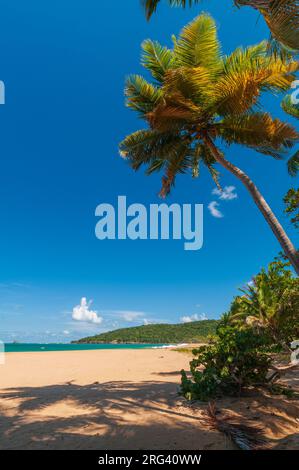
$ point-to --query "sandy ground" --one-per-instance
(121, 399)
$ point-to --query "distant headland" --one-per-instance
(165, 333)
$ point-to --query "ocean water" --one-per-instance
(32, 347)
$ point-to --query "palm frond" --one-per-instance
(191, 83)
(244, 436)
(198, 45)
(151, 5)
(246, 74)
(174, 112)
(293, 164)
(181, 162)
(141, 95)
(282, 18)
(202, 154)
(156, 58)
(152, 148)
(258, 131)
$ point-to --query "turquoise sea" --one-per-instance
(32, 347)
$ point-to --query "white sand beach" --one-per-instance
(121, 399)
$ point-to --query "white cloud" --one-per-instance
(214, 211)
(130, 315)
(66, 332)
(148, 322)
(226, 194)
(83, 313)
(191, 318)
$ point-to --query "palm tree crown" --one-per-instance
(197, 93)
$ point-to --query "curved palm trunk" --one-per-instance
(286, 244)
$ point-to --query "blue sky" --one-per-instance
(64, 64)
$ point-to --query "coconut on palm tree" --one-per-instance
(281, 16)
(200, 98)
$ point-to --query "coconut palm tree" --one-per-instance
(200, 97)
(270, 302)
(281, 16)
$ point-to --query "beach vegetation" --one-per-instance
(260, 325)
(237, 358)
(291, 201)
(270, 303)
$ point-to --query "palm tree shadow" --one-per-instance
(130, 415)
(111, 415)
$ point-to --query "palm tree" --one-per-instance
(199, 97)
(281, 16)
(270, 303)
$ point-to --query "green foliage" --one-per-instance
(264, 320)
(270, 304)
(289, 107)
(193, 332)
(293, 164)
(236, 359)
(291, 201)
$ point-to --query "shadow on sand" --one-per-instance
(124, 415)
(112, 415)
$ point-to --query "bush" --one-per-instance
(238, 358)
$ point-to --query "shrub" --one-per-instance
(238, 358)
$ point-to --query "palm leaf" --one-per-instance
(282, 18)
(293, 164)
(203, 154)
(156, 58)
(141, 95)
(198, 45)
(258, 131)
(174, 112)
(246, 437)
(151, 5)
(246, 73)
(191, 83)
(181, 162)
(150, 147)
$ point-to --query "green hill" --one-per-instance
(158, 333)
